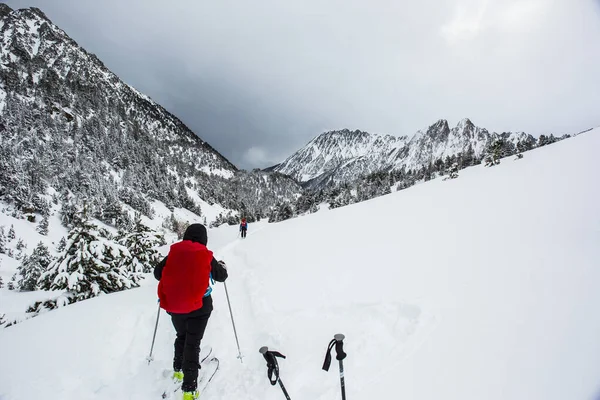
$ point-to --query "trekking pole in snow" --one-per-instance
(150, 358)
(273, 367)
(338, 341)
(233, 323)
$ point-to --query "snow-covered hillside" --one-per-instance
(69, 123)
(482, 287)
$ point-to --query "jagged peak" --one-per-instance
(343, 133)
(35, 11)
(5, 10)
(439, 128)
(465, 122)
(440, 124)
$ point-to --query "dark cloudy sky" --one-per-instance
(258, 79)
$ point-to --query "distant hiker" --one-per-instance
(184, 292)
(243, 227)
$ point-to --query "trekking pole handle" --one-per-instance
(272, 366)
(339, 346)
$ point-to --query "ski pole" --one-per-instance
(150, 358)
(338, 341)
(273, 367)
(233, 323)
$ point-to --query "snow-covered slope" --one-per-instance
(342, 156)
(68, 122)
(42, 66)
(482, 287)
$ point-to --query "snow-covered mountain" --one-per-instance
(342, 156)
(42, 67)
(70, 124)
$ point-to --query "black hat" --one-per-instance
(196, 233)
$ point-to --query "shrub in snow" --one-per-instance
(11, 233)
(1, 283)
(142, 243)
(91, 264)
(32, 268)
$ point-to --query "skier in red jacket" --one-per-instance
(184, 292)
(243, 227)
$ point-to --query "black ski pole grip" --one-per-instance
(339, 346)
(272, 366)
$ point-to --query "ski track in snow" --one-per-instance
(368, 325)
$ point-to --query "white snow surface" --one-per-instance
(483, 287)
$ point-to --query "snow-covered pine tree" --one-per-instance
(452, 172)
(13, 282)
(91, 264)
(2, 241)
(142, 243)
(521, 147)
(32, 267)
(493, 153)
(1, 283)
(61, 245)
(11, 233)
(21, 245)
(42, 228)
(20, 248)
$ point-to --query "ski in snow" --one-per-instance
(208, 368)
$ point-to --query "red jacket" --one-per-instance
(185, 277)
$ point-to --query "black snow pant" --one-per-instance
(190, 330)
(244, 232)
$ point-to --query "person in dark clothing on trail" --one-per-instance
(184, 290)
(243, 227)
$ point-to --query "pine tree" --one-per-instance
(11, 233)
(494, 153)
(452, 172)
(32, 268)
(91, 264)
(2, 241)
(13, 282)
(42, 228)
(20, 245)
(1, 283)
(142, 243)
(61, 245)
